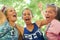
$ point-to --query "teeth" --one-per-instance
(27, 19)
(47, 17)
(14, 15)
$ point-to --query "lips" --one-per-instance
(47, 17)
(27, 19)
(14, 15)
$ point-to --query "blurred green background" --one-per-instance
(20, 5)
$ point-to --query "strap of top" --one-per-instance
(48, 27)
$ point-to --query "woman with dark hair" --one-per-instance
(31, 31)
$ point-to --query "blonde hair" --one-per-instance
(52, 6)
(5, 8)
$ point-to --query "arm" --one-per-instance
(2, 17)
(40, 23)
(41, 10)
(4, 29)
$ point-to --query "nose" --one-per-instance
(14, 11)
(27, 15)
(46, 13)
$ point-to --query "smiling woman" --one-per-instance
(9, 30)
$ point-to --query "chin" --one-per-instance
(14, 20)
(27, 23)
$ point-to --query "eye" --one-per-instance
(29, 14)
(50, 11)
(11, 10)
(46, 11)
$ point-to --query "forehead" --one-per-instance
(27, 11)
(10, 8)
(50, 8)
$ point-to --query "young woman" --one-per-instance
(32, 31)
(53, 32)
(53, 17)
(9, 30)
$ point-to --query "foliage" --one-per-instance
(19, 5)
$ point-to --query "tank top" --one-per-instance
(35, 34)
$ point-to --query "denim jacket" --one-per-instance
(8, 33)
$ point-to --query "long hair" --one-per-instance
(58, 14)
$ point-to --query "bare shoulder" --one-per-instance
(38, 23)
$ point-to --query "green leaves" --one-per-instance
(20, 5)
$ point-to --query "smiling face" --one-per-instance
(50, 14)
(27, 16)
(11, 14)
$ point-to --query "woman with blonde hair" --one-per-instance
(9, 30)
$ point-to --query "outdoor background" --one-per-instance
(20, 5)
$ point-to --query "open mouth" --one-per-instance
(47, 17)
(14, 15)
(27, 19)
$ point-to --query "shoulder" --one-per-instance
(55, 22)
(38, 23)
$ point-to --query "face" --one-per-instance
(50, 14)
(27, 16)
(11, 14)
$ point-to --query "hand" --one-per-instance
(40, 6)
(41, 9)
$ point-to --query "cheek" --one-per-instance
(46, 14)
(10, 15)
(31, 17)
(52, 15)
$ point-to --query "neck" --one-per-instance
(51, 19)
(29, 25)
(12, 23)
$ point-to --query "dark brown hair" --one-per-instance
(58, 13)
(27, 9)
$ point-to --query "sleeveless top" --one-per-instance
(7, 32)
(36, 34)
